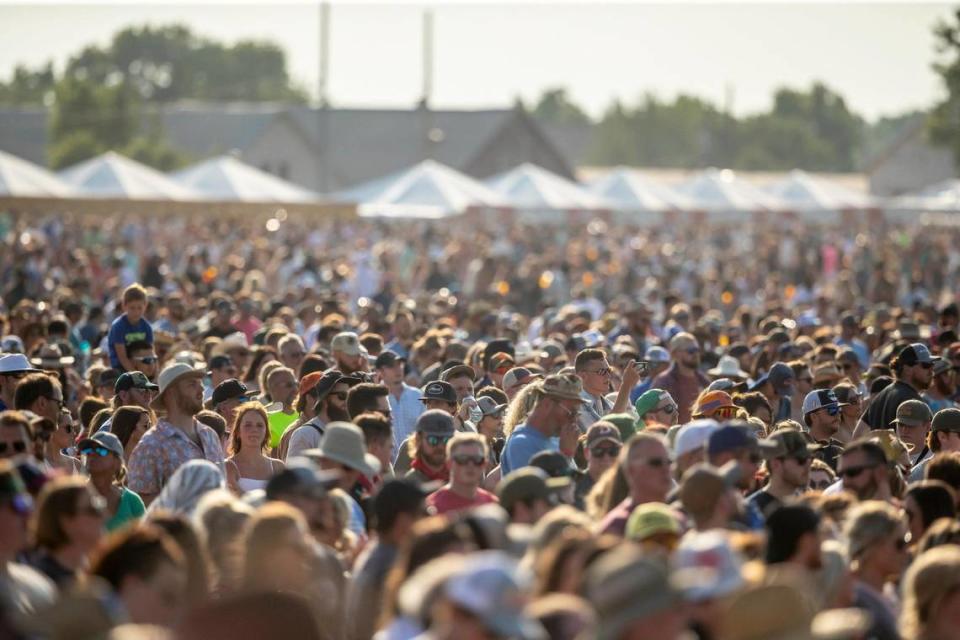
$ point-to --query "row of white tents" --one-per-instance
(432, 190)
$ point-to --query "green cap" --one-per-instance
(649, 519)
(913, 413)
(527, 484)
(791, 443)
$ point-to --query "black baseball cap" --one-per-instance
(230, 389)
(915, 353)
(325, 385)
(133, 380)
(219, 362)
(439, 390)
(387, 359)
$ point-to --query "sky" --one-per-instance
(878, 56)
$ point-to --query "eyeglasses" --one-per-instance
(657, 463)
(436, 441)
(339, 395)
(103, 452)
(147, 359)
(853, 472)
(59, 402)
(831, 409)
(600, 372)
(464, 459)
(18, 447)
(608, 452)
(667, 409)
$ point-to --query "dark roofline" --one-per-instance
(906, 133)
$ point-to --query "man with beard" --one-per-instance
(347, 355)
(330, 406)
(942, 389)
(683, 380)
(944, 437)
(777, 386)
(913, 371)
(282, 386)
(789, 468)
(864, 471)
(177, 437)
(821, 413)
(435, 428)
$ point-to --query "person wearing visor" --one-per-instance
(821, 413)
(102, 456)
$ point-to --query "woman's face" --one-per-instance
(141, 428)
(253, 430)
(914, 519)
(85, 526)
(98, 465)
(491, 426)
(64, 435)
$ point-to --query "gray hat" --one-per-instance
(947, 420)
(344, 443)
(435, 422)
(346, 342)
(489, 407)
(913, 413)
(624, 585)
(567, 386)
(104, 439)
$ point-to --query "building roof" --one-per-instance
(23, 133)
(204, 129)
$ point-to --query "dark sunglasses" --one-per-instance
(725, 413)
(657, 463)
(600, 372)
(464, 459)
(18, 447)
(609, 452)
(103, 452)
(435, 441)
(853, 472)
(148, 359)
(831, 409)
(667, 409)
(339, 395)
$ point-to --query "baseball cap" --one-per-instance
(346, 342)
(703, 484)
(649, 519)
(104, 439)
(457, 370)
(913, 413)
(133, 380)
(439, 390)
(657, 355)
(650, 399)
(554, 463)
(435, 422)
(941, 365)
(846, 393)
(694, 435)
(230, 389)
(737, 434)
(947, 420)
(915, 353)
(308, 382)
(600, 432)
(713, 401)
(792, 443)
(527, 484)
(779, 375)
(818, 399)
(518, 375)
(498, 345)
(551, 349)
(218, 362)
(501, 360)
(489, 407)
(387, 359)
(300, 476)
(710, 557)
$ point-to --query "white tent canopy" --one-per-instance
(227, 179)
(804, 193)
(426, 190)
(113, 176)
(718, 191)
(631, 191)
(942, 197)
(534, 189)
(22, 179)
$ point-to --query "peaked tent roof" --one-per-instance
(228, 179)
(22, 179)
(629, 190)
(802, 192)
(111, 175)
(939, 197)
(721, 191)
(535, 189)
(425, 190)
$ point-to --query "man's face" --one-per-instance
(564, 413)
(225, 372)
(949, 441)
(919, 375)
(822, 418)
(945, 383)
(382, 449)
(648, 468)
(13, 441)
(804, 383)
(795, 470)
(392, 374)
(850, 368)
(687, 355)
(601, 456)
(463, 386)
(491, 426)
(228, 409)
(433, 449)
(189, 395)
(749, 460)
(292, 355)
(146, 361)
(348, 364)
(383, 406)
(467, 465)
(596, 377)
(859, 476)
(137, 397)
(443, 405)
(915, 435)
(8, 386)
(820, 479)
(283, 387)
(49, 406)
(336, 403)
(666, 413)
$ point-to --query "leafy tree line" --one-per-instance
(101, 100)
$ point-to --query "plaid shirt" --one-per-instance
(163, 449)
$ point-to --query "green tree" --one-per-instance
(555, 106)
(154, 152)
(944, 122)
(28, 87)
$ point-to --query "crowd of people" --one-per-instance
(477, 430)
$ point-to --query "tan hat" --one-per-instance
(828, 372)
(767, 612)
(346, 342)
(170, 376)
(703, 484)
(567, 386)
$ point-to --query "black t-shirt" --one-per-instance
(829, 453)
(883, 408)
(765, 502)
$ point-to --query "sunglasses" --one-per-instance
(436, 441)
(853, 472)
(103, 452)
(464, 459)
(608, 452)
(339, 395)
(148, 359)
(725, 413)
(831, 409)
(18, 447)
(657, 463)
(600, 372)
(667, 409)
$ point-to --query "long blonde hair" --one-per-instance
(520, 407)
(931, 577)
